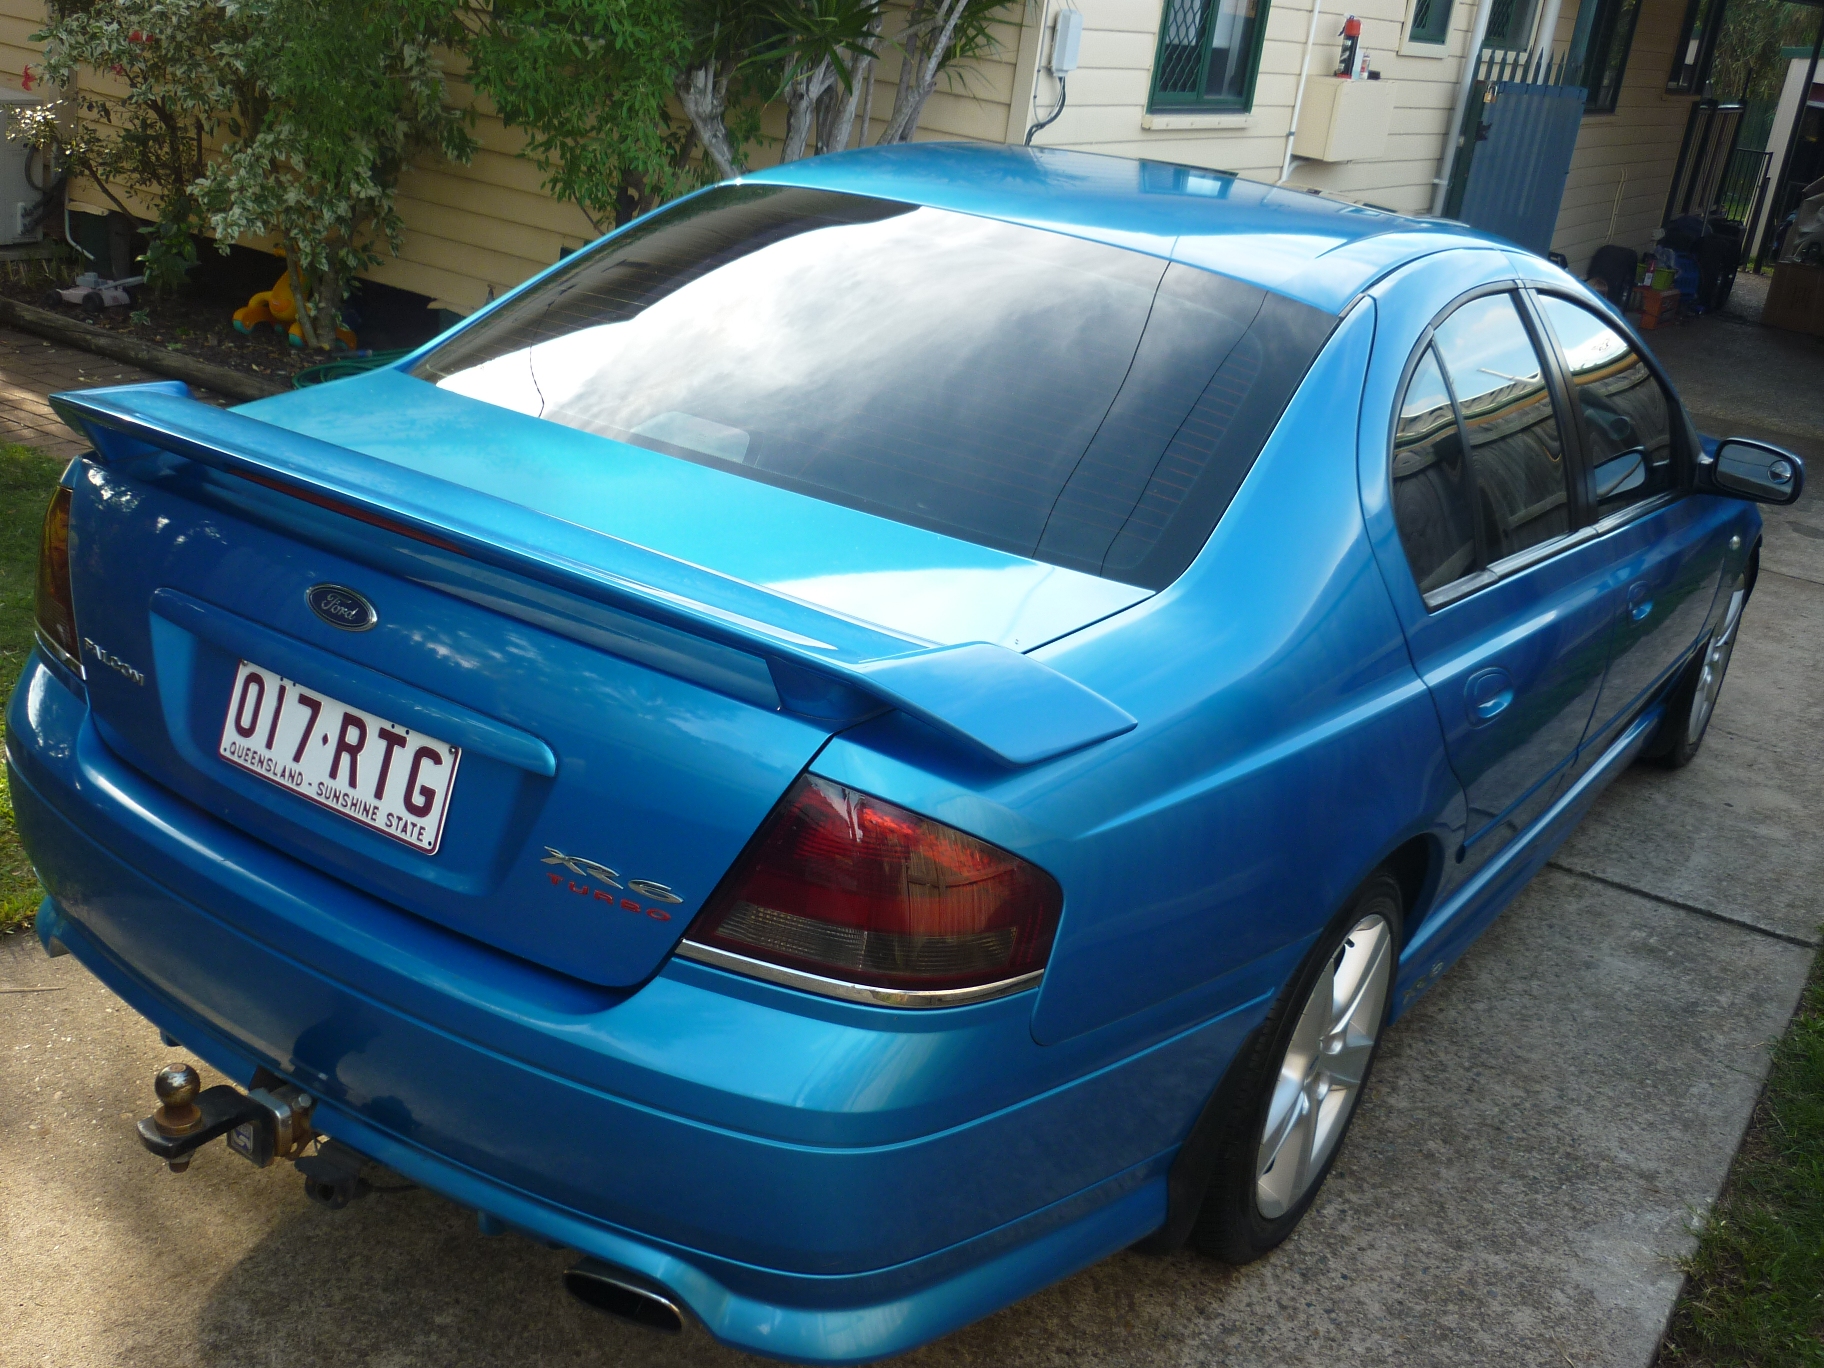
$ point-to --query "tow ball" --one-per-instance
(263, 1125)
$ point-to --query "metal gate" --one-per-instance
(1517, 138)
(1712, 131)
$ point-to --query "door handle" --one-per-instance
(1639, 605)
(1487, 694)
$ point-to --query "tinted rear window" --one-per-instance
(1076, 403)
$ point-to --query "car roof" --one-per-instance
(1316, 249)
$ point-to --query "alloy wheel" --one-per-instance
(1320, 1078)
(1716, 665)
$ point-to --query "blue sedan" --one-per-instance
(887, 731)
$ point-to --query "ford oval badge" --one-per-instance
(340, 606)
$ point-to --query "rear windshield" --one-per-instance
(1064, 400)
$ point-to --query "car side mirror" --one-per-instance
(1755, 470)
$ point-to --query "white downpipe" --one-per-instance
(1298, 99)
(1454, 133)
(1547, 38)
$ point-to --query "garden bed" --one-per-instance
(196, 320)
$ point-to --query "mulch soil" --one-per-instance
(197, 318)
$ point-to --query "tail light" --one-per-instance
(876, 903)
(56, 612)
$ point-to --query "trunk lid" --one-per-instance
(625, 720)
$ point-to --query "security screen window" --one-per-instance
(1430, 23)
(1209, 53)
(1072, 402)
(1510, 25)
(1627, 420)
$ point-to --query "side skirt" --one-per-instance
(1449, 931)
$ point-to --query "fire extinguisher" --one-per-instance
(1352, 42)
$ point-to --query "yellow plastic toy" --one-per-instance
(277, 307)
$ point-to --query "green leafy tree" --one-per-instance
(590, 81)
(819, 58)
(1747, 63)
(339, 95)
(939, 35)
(153, 140)
(597, 83)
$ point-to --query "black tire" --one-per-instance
(1671, 747)
(1692, 702)
(1231, 1225)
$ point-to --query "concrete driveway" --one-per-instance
(1542, 1131)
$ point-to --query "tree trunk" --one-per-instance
(827, 103)
(836, 117)
(328, 306)
(802, 94)
(865, 114)
(174, 135)
(300, 298)
(930, 29)
(703, 91)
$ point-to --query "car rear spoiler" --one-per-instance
(823, 666)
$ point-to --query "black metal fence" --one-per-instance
(1705, 159)
(1741, 184)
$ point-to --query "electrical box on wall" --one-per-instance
(1342, 120)
(1066, 38)
(18, 196)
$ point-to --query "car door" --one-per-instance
(1666, 555)
(1501, 592)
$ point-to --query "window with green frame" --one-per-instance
(1510, 25)
(1430, 22)
(1606, 58)
(1209, 54)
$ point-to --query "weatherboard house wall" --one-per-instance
(473, 231)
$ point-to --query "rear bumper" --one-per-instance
(814, 1180)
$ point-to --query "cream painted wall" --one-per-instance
(1108, 94)
(1621, 171)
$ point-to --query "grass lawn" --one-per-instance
(26, 481)
(1755, 1294)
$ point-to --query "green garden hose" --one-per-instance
(343, 367)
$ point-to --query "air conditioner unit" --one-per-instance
(18, 196)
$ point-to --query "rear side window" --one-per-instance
(1627, 421)
(1431, 495)
(1478, 462)
(1064, 400)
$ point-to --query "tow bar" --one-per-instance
(263, 1125)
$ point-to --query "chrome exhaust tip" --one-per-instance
(622, 1294)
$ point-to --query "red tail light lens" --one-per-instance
(55, 610)
(857, 889)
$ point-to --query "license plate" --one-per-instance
(386, 777)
